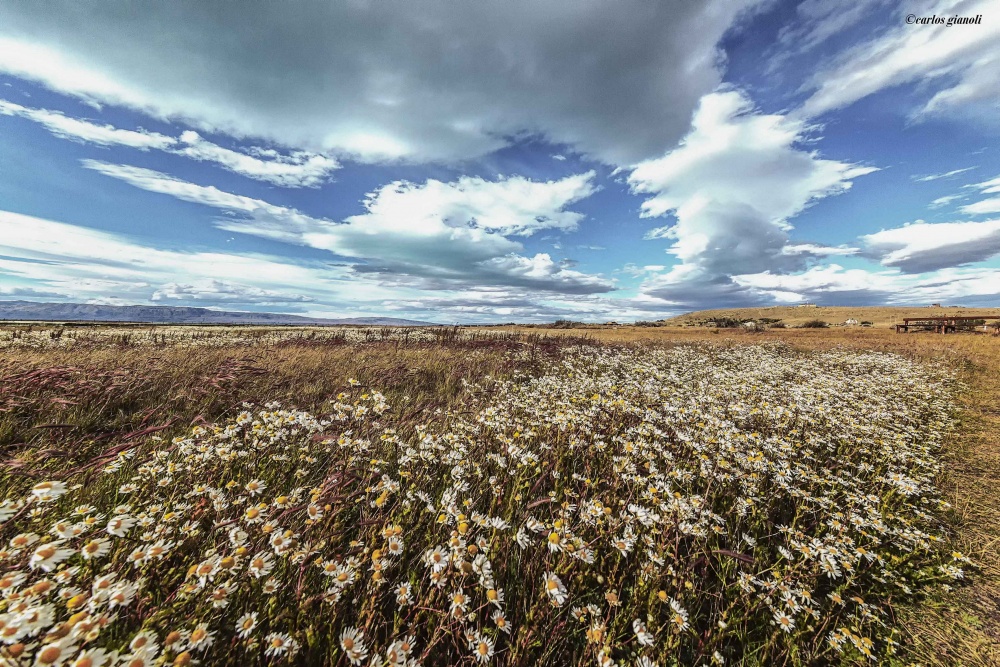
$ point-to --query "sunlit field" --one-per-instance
(51, 337)
(238, 496)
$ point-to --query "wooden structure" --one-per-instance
(950, 324)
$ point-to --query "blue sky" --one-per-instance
(493, 162)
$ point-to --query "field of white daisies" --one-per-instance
(693, 505)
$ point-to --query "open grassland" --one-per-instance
(488, 497)
(963, 627)
(879, 316)
(78, 336)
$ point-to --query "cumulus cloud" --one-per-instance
(432, 236)
(733, 184)
(511, 206)
(67, 262)
(298, 169)
(390, 80)
(922, 246)
(965, 61)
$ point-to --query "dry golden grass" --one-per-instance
(107, 394)
(962, 628)
(67, 417)
(64, 406)
(879, 316)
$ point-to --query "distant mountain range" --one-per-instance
(82, 312)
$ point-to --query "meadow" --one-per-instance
(243, 496)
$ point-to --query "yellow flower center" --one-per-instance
(49, 655)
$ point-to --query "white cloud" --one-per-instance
(835, 285)
(922, 246)
(543, 271)
(72, 128)
(636, 271)
(822, 19)
(218, 291)
(155, 181)
(664, 232)
(816, 21)
(436, 235)
(816, 250)
(82, 263)
(988, 205)
(944, 201)
(950, 285)
(299, 169)
(963, 59)
(500, 305)
(380, 81)
(733, 184)
(830, 284)
(735, 157)
(511, 206)
(947, 174)
(991, 205)
(62, 262)
(989, 187)
(26, 292)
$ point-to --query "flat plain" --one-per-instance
(516, 496)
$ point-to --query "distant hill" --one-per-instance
(82, 312)
(879, 316)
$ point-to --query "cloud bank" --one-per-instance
(434, 235)
(733, 184)
(429, 81)
(295, 170)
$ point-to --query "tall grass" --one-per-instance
(468, 500)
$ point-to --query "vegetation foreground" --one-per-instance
(591, 505)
